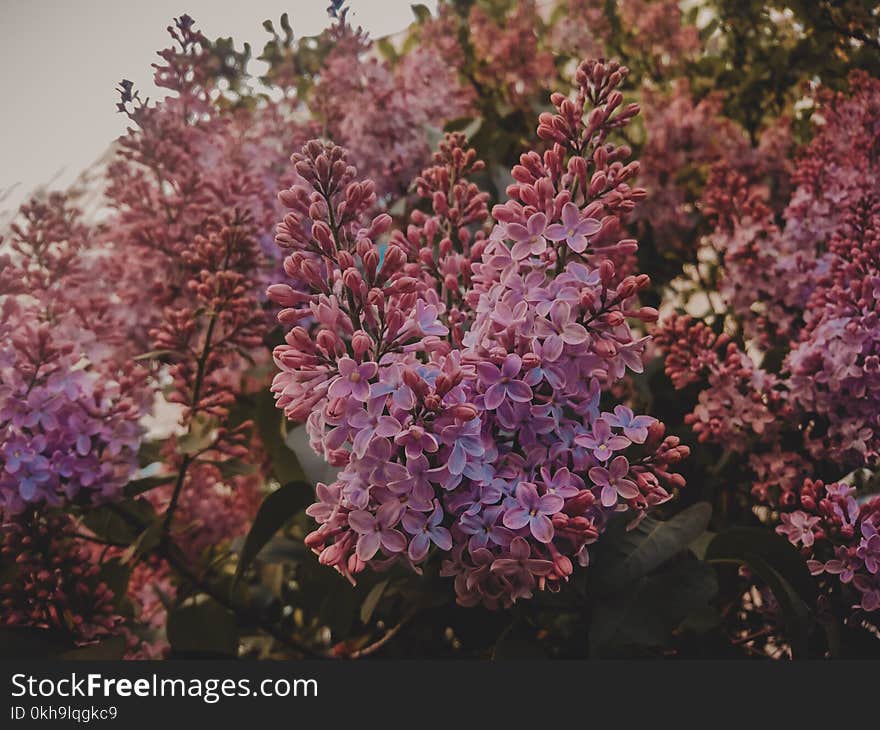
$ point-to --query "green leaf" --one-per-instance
(433, 135)
(149, 453)
(312, 467)
(152, 355)
(116, 575)
(643, 618)
(283, 550)
(372, 600)
(630, 555)
(201, 435)
(139, 486)
(421, 12)
(735, 544)
(202, 628)
(780, 565)
(285, 24)
(271, 426)
(387, 49)
(701, 543)
(122, 522)
(469, 126)
(278, 507)
(235, 468)
(144, 543)
(796, 614)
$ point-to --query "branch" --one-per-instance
(390, 634)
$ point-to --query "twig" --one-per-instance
(171, 553)
(385, 638)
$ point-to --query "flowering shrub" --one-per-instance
(490, 445)
(791, 384)
(431, 364)
(69, 427)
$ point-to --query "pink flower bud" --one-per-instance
(361, 343)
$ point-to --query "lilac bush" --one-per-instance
(489, 443)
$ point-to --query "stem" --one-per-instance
(175, 496)
(196, 395)
(242, 611)
(385, 638)
(171, 553)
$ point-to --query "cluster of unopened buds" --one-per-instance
(486, 442)
(56, 584)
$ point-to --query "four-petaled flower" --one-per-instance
(375, 531)
(425, 530)
(529, 238)
(532, 510)
(502, 384)
(371, 422)
(353, 380)
(635, 428)
(614, 482)
(560, 329)
(426, 318)
(483, 527)
(798, 527)
(573, 229)
(869, 548)
(520, 565)
(602, 442)
(416, 440)
(562, 483)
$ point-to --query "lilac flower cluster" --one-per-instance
(380, 110)
(490, 446)
(840, 538)
(835, 365)
(797, 385)
(67, 433)
(70, 396)
(741, 401)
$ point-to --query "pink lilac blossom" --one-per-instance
(839, 538)
(771, 271)
(441, 245)
(379, 110)
(213, 508)
(740, 403)
(70, 395)
(685, 138)
(580, 28)
(68, 432)
(808, 288)
(835, 368)
(486, 442)
(183, 159)
(509, 56)
(659, 32)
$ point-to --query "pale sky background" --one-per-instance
(60, 62)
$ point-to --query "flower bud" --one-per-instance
(361, 343)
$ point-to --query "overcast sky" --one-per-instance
(60, 61)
